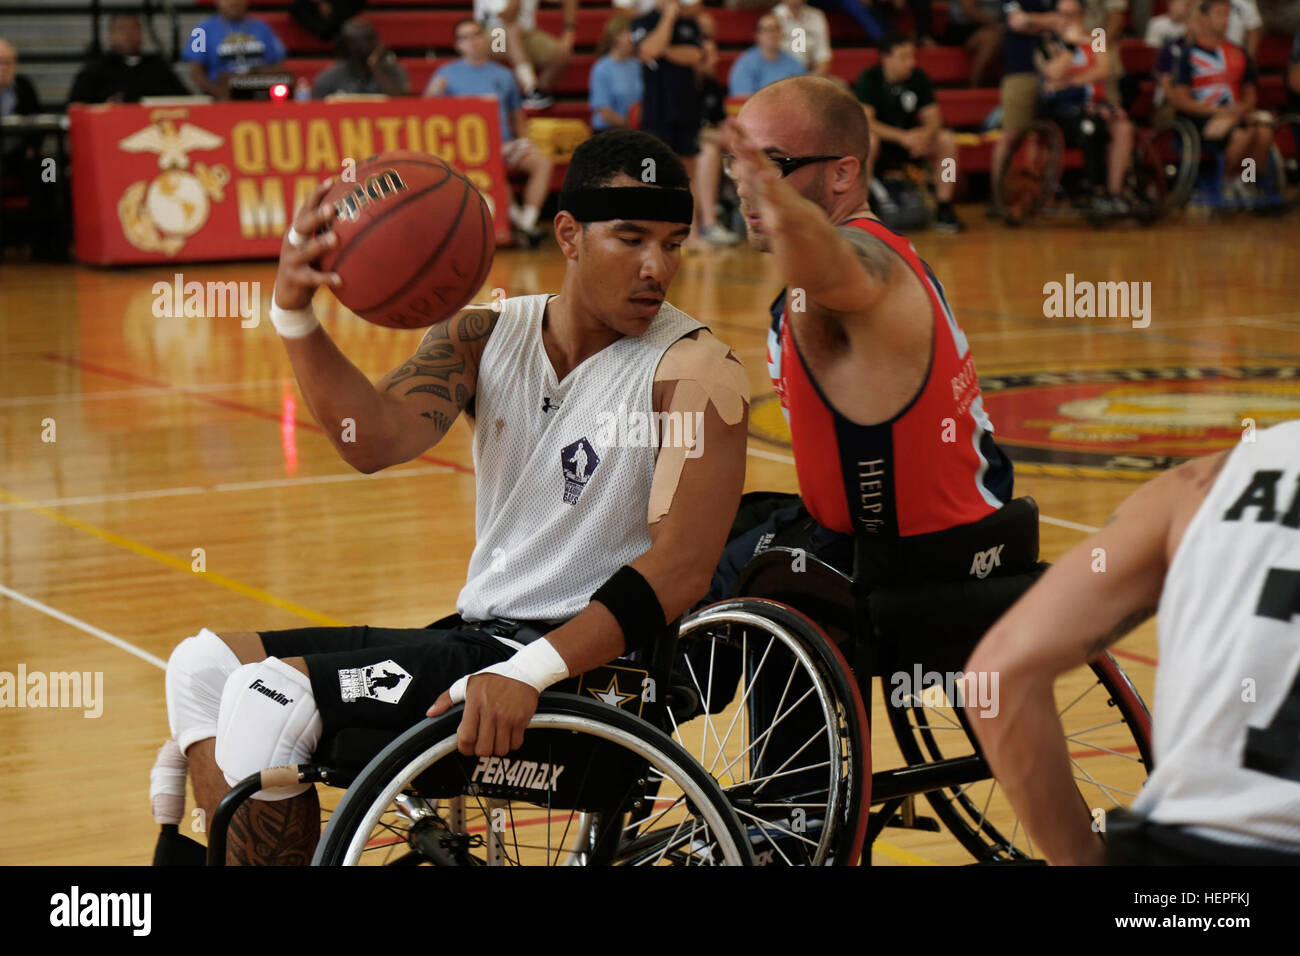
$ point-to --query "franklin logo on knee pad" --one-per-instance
(273, 694)
(386, 681)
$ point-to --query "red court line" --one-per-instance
(1133, 656)
(274, 416)
(1128, 748)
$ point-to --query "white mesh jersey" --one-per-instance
(1227, 704)
(558, 511)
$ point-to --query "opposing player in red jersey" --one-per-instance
(876, 379)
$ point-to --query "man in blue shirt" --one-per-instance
(615, 82)
(229, 42)
(474, 74)
(763, 63)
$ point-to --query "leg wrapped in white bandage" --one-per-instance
(196, 675)
(167, 784)
(268, 719)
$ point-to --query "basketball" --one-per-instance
(415, 240)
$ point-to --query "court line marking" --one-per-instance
(83, 626)
(225, 486)
(214, 577)
(137, 392)
(899, 855)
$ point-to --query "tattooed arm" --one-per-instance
(1099, 591)
(408, 410)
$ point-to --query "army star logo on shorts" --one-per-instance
(386, 681)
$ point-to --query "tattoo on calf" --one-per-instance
(275, 832)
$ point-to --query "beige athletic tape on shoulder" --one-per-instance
(707, 373)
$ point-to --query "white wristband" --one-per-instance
(539, 665)
(293, 323)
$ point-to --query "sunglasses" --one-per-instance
(787, 164)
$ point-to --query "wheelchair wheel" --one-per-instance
(1031, 171)
(766, 703)
(588, 780)
(1177, 149)
(1146, 183)
(1109, 733)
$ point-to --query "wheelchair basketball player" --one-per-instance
(586, 546)
(1213, 546)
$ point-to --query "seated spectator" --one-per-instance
(1214, 87)
(706, 230)
(227, 43)
(906, 123)
(763, 63)
(367, 65)
(1108, 16)
(1245, 26)
(922, 18)
(975, 26)
(17, 95)
(1169, 26)
(1074, 94)
(1171, 52)
(669, 46)
(538, 58)
(124, 74)
(811, 45)
(324, 19)
(474, 74)
(1293, 74)
(615, 84)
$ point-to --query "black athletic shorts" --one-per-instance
(682, 138)
(1200, 121)
(386, 678)
(893, 156)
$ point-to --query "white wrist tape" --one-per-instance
(296, 238)
(293, 323)
(539, 665)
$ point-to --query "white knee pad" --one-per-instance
(268, 719)
(196, 674)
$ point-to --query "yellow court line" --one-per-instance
(239, 587)
(899, 855)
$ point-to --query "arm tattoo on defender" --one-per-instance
(435, 359)
(1129, 622)
(876, 257)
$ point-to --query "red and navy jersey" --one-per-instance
(931, 467)
(1079, 95)
(1216, 75)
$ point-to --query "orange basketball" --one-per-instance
(415, 240)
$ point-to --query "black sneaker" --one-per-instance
(946, 220)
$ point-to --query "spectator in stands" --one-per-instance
(125, 74)
(538, 58)
(1171, 51)
(1293, 75)
(906, 123)
(615, 84)
(1244, 26)
(17, 95)
(1026, 20)
(805, 34)
(227, 43)
(1074, 77)
(324, 19)
(764, 62)
(367, 65)
(670, 47)
(1169, 26)
(708, 165)
(1109, 16)
(474, 74)
(1216, 91)
(922, 17)
(975, 26)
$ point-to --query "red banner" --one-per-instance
(222, 180)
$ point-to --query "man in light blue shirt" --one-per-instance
(763, 63)
(474, 74)
(229, 42)
(615, 82)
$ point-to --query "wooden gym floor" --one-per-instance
(172, 435)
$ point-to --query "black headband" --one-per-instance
(629, 202)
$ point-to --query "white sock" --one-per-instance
(528, 218)
(527, 77)
(167, 783)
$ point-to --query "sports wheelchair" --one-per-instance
(784, 679)
(1038, 173)
(748, 735)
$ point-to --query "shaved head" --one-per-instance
(826, 116)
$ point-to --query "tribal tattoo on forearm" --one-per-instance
(440, 358)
